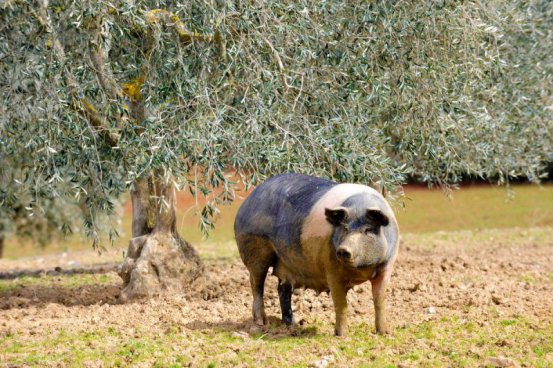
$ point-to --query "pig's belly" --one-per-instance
(300, 276)
(313, 277)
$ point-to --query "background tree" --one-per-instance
(153, 96)
(40, 215)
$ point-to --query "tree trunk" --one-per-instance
(158, 260)
(1, 246)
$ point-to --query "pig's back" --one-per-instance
(276, 209)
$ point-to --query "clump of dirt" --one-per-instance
(38, 295)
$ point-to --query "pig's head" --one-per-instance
(358, 236)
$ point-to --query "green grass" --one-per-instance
(62, 281)
(475, 207)
(481, 238)
(450, 341)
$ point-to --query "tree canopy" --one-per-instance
(104, 93)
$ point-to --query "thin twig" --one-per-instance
(94, 117)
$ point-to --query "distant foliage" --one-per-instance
(38, 215)
(103, 93)
(523, 100)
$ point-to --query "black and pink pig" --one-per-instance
(317, 234)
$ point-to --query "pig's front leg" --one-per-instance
(379, 284)
(338, 293)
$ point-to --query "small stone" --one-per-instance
(503, 343)
(498, 299)
(73, 263)
(255, 329)
(241, 334)
(431, 310)
(501, 362)
(322, 363)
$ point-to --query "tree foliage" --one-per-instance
(40, 214)
(50, 217)
(104, 93)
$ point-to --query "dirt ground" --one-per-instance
(435, 277)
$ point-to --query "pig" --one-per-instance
(317, 234)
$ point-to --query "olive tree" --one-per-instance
(156, 96)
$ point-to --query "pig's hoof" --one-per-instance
(261, 321)
(384, 331)
(288, 321)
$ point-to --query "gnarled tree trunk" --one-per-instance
(158, 259)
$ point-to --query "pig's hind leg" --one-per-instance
(257, 281)
(258, 256)
(285, 296)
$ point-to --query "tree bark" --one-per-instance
(158, 260)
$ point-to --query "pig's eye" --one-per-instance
(369, 231)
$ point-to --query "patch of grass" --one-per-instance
(528, 278)
(481, 238)
(64, 281)
(508, 322)
(450, 341)
(7, 286)
(212, 251)
(476, 207)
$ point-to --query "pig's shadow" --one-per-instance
(274, 330)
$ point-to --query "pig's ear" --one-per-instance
(337, 215)
(378, 217)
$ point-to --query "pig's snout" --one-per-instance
(344, 253)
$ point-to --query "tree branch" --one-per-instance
(278, 61)
(170, 19)
(99, 122)
(94, 117)
(45, 22)
(98, 56)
